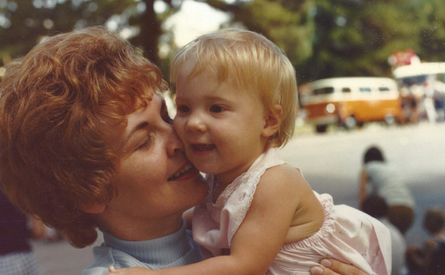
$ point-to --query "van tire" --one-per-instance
(390, 120)
(321, 128)
(350, 123)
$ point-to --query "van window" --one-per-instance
(323, 91)
(346, 90)
(383, 89)
(365, 89)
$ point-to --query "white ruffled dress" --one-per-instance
(347, 234)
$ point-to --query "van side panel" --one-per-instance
(372, 110)
(364, 98)
(317, 113)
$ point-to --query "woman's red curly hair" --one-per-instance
(60, 107)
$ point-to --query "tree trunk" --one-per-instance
(150, 32)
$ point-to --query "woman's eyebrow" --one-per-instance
(139, 126)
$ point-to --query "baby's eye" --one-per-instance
(216, 109)
(183, 109)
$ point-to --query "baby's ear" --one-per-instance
(273, 121)
(92, 208)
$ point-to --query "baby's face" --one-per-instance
(220, 124)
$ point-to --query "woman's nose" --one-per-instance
(175, 145)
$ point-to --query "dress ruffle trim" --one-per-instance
(248, 182)
(325, 230)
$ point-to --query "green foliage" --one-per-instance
(24, 22)
(355, 38)
(432, 30)
(327, 38)
(322, 38)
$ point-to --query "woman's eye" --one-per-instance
(144, 144)
(216, 109)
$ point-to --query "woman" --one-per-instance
(86, 142)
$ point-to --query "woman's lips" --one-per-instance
(186, 170)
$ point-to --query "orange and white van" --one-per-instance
(351, 101)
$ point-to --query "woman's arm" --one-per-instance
(329, 267)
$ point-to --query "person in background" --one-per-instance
(86, 142)
(376, 207)
(16, 230)
(380, 177)
(430, 259)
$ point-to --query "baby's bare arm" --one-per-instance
(308, 216)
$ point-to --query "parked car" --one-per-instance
(352, 101)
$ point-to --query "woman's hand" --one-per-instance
(334, 267)
(130, 271)
(329, 267)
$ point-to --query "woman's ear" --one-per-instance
(273, 121)
(92, 208)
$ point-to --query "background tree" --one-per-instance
(431, 35)
(322, 38)
(288, 23)
(355, 38)
(24, 22)
(328, 38)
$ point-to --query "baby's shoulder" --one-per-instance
(284, 171)
(283, 176)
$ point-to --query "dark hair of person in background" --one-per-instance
(373, 154)
(434, 220)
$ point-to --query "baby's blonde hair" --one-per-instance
(252, 62)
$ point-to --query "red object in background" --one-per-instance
(400, 58)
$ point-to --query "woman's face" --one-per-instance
(156, 180)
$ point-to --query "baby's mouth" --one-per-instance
(203, 147)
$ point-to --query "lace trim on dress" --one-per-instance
(251, 179)
(247, 181)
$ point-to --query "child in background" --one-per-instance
(430, 259)
(236, 103)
